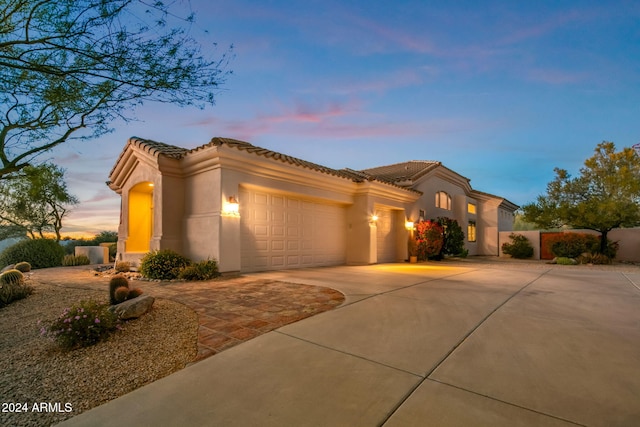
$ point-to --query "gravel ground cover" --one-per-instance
(35, 371)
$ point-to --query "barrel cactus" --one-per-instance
(11, 277)
(23, 267)
(118, 281)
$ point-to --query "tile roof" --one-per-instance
(399, 172)
(155, 148)
(386, 174)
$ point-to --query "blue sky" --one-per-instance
(500, 92)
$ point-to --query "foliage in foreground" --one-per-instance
(39, 253)
(83, 324)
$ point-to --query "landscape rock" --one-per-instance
(133, 308)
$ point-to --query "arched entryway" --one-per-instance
(140, 219)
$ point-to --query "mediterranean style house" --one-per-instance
(254, 209)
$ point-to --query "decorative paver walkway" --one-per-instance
(230, 310)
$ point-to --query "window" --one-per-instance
(471, 231)
(443, 200)
(471, 208)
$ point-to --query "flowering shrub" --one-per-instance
(429, 239)
(82, 325)
(164, 264)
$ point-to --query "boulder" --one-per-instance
(133, 308)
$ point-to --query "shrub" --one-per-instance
(202, 270)
(565, 261)
(164, 264)
(588, 258)
(121, 294)
(40, 253)
(123, 266)
(82, 325)
(73, 260)
(429, 238)
(453, 243)
(118, 281)
(23, 267)
(519, 247)
(572, 245)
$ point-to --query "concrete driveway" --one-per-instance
(437, 344)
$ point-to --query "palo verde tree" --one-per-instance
(35, 200)
(69, 68)
(606, 195)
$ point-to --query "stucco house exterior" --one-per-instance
(254, 209)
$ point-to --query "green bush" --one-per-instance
(565, 261)
(73, 260)
(23, 267)
(40, 253)
(520, 247)
(82, 325)
(202, 270)
(164, 264)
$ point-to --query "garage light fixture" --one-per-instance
(231, 207)
(409, 225)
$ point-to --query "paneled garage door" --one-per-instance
(282, 231)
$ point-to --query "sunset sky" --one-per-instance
(500, 92)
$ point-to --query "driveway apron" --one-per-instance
(448, 344)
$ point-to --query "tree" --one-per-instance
(68, 68)
(605, 196)
(453, 237)
(36, 200)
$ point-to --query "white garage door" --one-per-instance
(281, 231)
(386, 234)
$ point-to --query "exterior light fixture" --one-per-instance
(409, 225)
(231, 207)
(374, 217)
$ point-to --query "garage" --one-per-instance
(281, 231)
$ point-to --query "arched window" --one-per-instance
(443, 200)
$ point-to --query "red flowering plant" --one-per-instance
(429, 239)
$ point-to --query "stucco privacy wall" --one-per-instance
(628, 240)
(289, 212)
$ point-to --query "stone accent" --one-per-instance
(133, 308)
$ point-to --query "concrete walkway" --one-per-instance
(439, 344)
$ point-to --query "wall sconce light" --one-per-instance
(231, 207)
(409, 225)
(373, 219)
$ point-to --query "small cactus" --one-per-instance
(134, 293)
(11, 277)
(23, 267)
(121, 294)
(117, 281)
